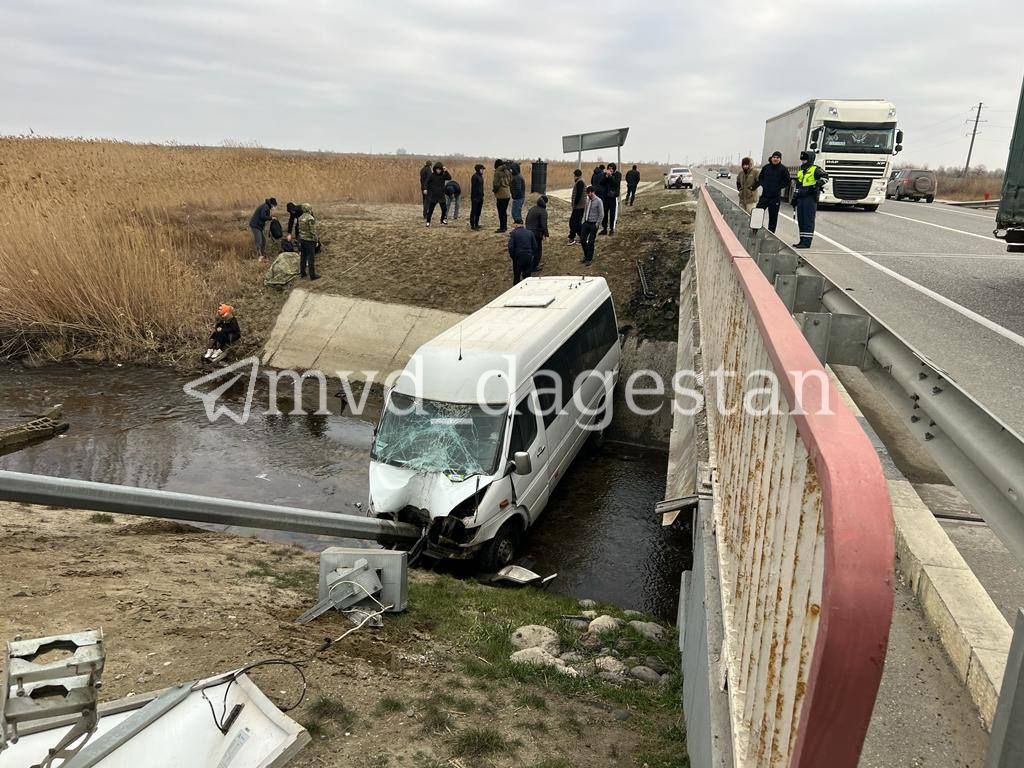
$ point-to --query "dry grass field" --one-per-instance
(120, 250)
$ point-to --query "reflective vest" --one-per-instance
(805, 178)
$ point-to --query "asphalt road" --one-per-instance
(935, 276)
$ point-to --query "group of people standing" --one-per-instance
(302, 236)
(773, 180)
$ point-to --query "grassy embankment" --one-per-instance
(433, 687)
(121, 251)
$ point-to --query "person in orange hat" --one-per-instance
(225, 333)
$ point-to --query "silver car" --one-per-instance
(678, 178)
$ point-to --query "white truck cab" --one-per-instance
(486, 417)
(854, 140)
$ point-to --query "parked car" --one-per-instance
(724, 173)
(678, 178)
(912, 184)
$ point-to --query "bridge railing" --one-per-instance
(802, 521)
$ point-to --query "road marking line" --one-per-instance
(931, 255)
(940, 226)
(970, 314)
(948, 209)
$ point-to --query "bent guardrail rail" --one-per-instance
(802, 526)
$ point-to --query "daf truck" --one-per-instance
(854, 141)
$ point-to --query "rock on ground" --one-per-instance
(656, 664)
(589, 614)
(644, 674)
(536, 636)
(541, 658)
(585, 603)
(632, 614)
(647, 629)
(606, 624)
(611, 665)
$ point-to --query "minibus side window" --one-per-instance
(581, 352)
(524, 428)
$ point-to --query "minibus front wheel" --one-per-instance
(503, 548)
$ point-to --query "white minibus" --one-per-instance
(486, 417)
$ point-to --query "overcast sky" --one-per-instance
(692, 81)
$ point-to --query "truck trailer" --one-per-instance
(854, 140)
(1010, 218)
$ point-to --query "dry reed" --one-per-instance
(96, 255)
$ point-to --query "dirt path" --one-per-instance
(432, 688)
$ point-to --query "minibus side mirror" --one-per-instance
(521, 463)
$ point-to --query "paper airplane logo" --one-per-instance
(230, 376)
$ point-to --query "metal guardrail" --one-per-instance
(802, 520)
(982, 456)
(128, 500)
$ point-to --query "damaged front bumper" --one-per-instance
(446, 537)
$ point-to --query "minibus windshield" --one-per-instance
(458, 439)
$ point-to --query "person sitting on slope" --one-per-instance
(225, 333)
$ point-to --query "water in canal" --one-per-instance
(136, 426)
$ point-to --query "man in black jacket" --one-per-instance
(433, 191)
(632, 182)
(579, 203)
(453, 194)
(425, 172)
(258, 222)
(597, 180)
(522, 246)
(612, 190)
(476, 197)
(537, 223)
(773, 179)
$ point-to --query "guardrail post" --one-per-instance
(1006, 744)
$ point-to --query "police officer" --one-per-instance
(809, 181)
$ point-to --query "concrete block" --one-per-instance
(963, 615)
(392, 568)
(284, 321)
(920, 539)
(984, 681)
(339, 333)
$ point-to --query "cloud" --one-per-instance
(691, 81)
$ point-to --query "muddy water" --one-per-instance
(137, 426)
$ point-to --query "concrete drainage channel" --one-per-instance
(136, 426)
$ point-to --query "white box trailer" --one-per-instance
(854, 139)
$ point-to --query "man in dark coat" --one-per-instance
(597, 180)
(612, 190)
(425, 172)
(579, 203)
(537, 223)
(517, 187)
(453, 194)
(434, 191)
(258, 222)
(632, 181)
(773, 180)
(522, 246)
(476, 197)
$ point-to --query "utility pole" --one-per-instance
(974, 133)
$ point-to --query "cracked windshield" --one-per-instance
(458, 439)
